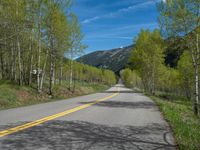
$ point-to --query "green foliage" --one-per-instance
(114, 59)
(126, 76)
(174, 49)
(130, 78)
(35, 37)
(182, 120)
(12, 95)
(181, 18)
(147, 58)
(186, 71)
(91, 74)
(169, 80)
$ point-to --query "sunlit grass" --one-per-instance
(12, 95)
(184, 123)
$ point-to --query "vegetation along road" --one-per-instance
(60, 61)
(115, 119)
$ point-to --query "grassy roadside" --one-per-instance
(185, 125)
(12, 95)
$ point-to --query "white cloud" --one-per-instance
(90, 19)
(123, 10)
(142, 5)
(122, 32)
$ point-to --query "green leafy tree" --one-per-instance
(182, 18)
(35, 37)
(147, 58)
(57, 32)
(186, 73)
(76, 47)
(126, 76)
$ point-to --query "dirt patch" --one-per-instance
(23, 95)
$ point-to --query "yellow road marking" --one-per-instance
(45, 119)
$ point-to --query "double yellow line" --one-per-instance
(45, 119)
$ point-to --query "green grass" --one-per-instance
(12, 95)
(185, 125)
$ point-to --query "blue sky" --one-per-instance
(108, 24)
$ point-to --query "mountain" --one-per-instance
(114, 59)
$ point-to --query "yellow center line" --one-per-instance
(48, 118)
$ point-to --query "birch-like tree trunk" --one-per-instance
(43, 71)
(31, 57)
(52, 65)
(2, 64)
(39, 50)
(71, 75)
(196, 103)
(19, 61)
(18, 47)
(61, 74)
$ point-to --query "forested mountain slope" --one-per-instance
(115, 59)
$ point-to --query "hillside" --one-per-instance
(114, 59)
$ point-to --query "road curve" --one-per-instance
(117, 119)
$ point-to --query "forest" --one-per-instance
(164, 64)
(166, 60)
(39, 40)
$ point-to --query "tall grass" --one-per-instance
(186, 126)
(12, 95)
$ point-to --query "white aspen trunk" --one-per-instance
(51, 75)
(39, 50)
(15, 53)
(30, 71)
(153, 80)
(31, 58)
(18, 50)
(52, 61)
(61, 72)
(43, 72)
(14, 76)
(71, 70)
(1, 75)
(71, 75)
(53, 70)
(19, 61)
(196, 103)
(12, 63)
(2, 64)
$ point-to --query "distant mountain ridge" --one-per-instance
(114, 59)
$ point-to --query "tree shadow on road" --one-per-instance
(80, 135)
(124, 104)
(122, 91)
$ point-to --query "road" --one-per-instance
(117, 119)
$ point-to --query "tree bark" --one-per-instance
(61, 73)
(196, 111)
(43, 71)
(31, 58)
(2, 64)
(196, 103)
(71, 75)
(52, 62)
(51, 75)
(18, 48)
(39, 50)
(19, 61)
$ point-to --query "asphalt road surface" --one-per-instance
(117, 119)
